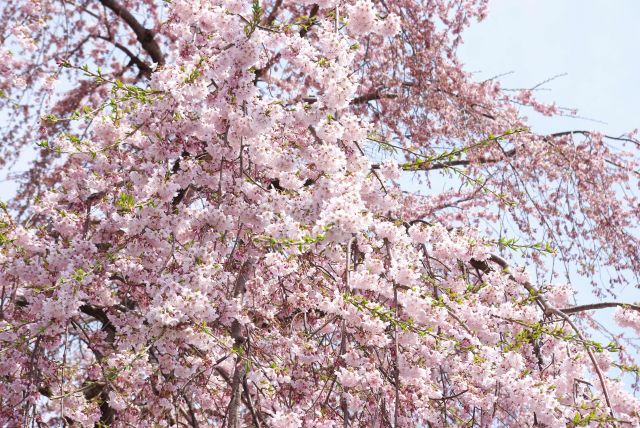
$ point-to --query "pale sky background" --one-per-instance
(596, 42)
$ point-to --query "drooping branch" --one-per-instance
(431, 166)
(427, 166)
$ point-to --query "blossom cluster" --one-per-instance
(219, 246)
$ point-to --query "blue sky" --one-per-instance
(595, 42)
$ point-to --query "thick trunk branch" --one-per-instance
(143, 67)
(145, 36)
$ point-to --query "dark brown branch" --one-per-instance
(240, 370)
(259, 73)
(106, 412)
(100, 315)
(426, 166)
(239, 288)
(450, 397)
(273, 14)
(182, 192)
(275, 184)
(143, 67)
(588, 133)
(144, 35)
(312, 16)
(180, 196)
(371, 96)
(602, 305)
(192, 413)
(361, 99)
(249, 402)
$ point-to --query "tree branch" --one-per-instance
(588, 133)
(240, 370)
(312, 15)
(426, 166)
(144, 68)
(233, 410)
(361, 99)
(273, 14)
(602, 305)
(145, 36)
(259, 73)
(371, 96)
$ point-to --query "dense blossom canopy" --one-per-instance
(219, 227)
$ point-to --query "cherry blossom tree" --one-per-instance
(287, 214)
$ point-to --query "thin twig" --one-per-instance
(602, 305)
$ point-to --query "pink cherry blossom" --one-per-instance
(218, 230)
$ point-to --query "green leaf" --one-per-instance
(126, 202)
